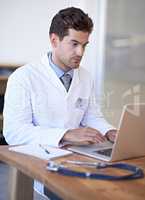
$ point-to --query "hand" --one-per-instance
(82, 136)
(111, 135)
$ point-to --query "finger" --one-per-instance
(95, 139)
(112, 137)
(92, 130)
(99, 138)
(85, 141)
(91, 134)
(78, 143)
(89, 139)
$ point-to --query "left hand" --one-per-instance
(111, 135)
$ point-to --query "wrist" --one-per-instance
(65, 137)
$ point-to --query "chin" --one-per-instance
(75, 66)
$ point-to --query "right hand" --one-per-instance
(82, 136)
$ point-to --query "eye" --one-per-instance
(74, 44)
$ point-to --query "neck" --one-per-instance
(56, 61)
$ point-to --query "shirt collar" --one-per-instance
(59, 72)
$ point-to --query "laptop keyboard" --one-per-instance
(105, 152)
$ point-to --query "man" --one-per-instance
(41, 107)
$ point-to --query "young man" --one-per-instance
(40, 107)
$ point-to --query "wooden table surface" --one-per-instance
(73, 188)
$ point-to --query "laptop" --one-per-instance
(130, 140)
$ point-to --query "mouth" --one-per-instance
(77, 60)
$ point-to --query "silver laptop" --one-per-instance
(130, 140)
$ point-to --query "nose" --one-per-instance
(80, 51)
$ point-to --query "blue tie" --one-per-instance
(66, 80)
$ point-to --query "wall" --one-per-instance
(24, 28)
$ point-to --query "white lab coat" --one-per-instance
(38, 109)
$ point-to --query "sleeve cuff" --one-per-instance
(53, 138)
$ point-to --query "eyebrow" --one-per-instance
(79, 42)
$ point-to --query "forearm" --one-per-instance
(28, 133)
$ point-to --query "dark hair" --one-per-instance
(70, 18)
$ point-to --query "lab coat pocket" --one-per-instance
(81, 103)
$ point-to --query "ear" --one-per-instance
(54, 39)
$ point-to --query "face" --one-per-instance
(67, 53)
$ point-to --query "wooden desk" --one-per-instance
(72, 188)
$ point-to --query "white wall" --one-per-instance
(24, 27)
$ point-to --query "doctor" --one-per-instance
(40, 108)
(52, 101)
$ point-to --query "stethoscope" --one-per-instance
(134, 171)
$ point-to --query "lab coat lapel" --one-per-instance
(75, 82)
(52, 76)
(56, 81)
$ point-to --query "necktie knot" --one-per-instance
(66, 80)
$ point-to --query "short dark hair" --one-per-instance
(70, 18)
